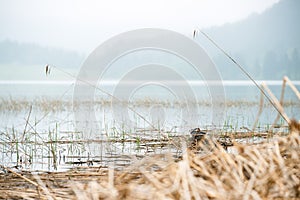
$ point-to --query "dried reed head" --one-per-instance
(294, 126)
(264, 171)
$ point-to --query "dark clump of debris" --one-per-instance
(199, 138)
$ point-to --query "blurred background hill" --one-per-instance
(266, 44)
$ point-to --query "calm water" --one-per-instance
(233, 89)
(57, 135)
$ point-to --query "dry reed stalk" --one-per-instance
(292, 86)
(26, 124)
(261, 105)
(276, 103)
(286, 81)
(20, 175)
(281, 99)
(265, 171)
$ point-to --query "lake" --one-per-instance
(43, 127)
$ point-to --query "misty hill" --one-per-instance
(25, 54)
(267, 45)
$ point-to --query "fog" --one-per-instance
(83, 25)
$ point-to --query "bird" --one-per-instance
(198, 139)
(197, 135)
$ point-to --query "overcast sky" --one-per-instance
(82, 25)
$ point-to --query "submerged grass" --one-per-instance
(270, 170)
(248, 170)
(53, 105)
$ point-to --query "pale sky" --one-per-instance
(82, 25)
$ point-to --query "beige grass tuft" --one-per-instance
(268, 170)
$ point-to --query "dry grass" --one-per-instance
(265, 171)
(46, 104)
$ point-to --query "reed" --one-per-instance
(265, 171)
(163, 168)
(54, 105)
(269, 170)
